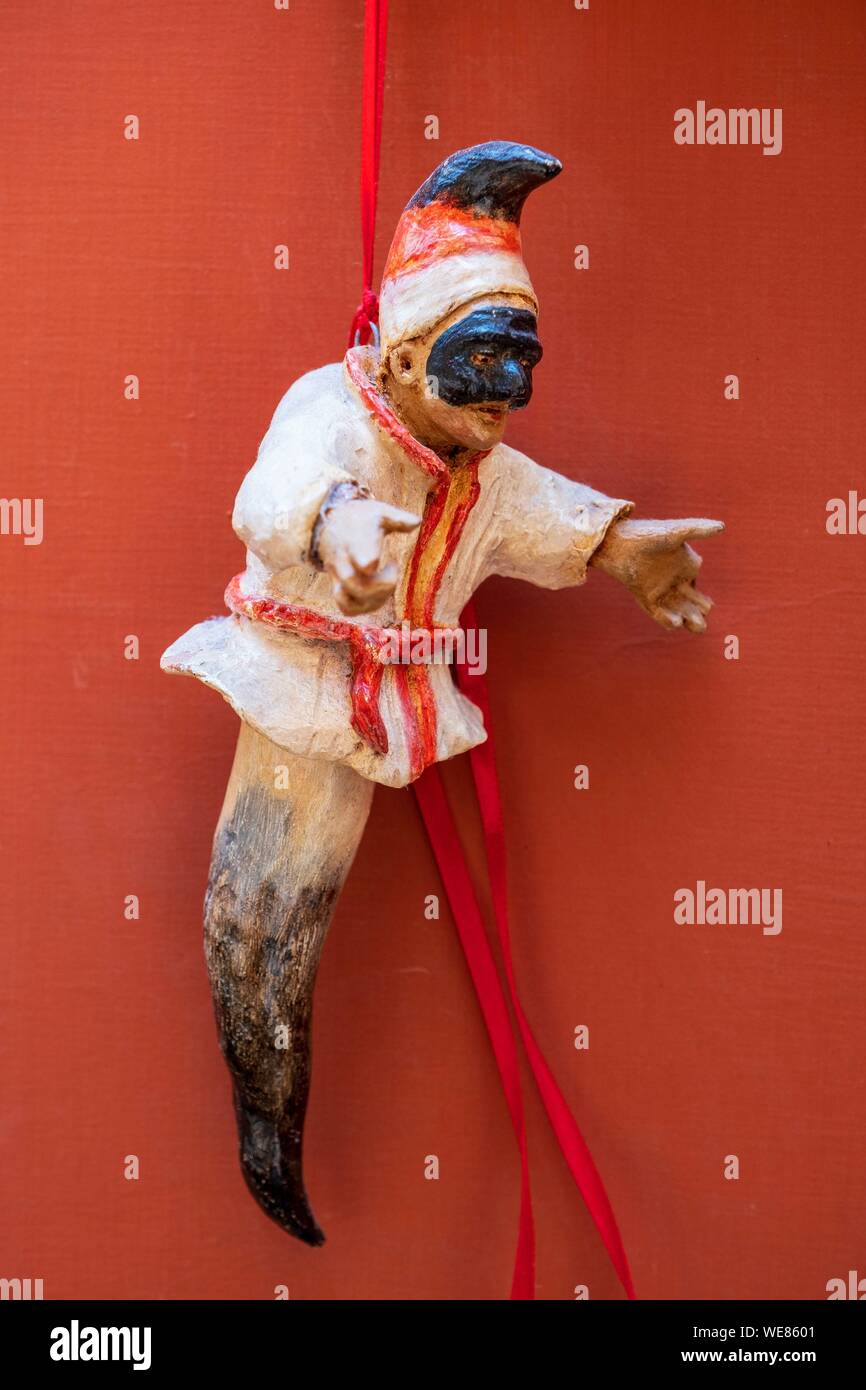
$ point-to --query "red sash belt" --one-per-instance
(368, 645)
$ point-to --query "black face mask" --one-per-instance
(487, 358)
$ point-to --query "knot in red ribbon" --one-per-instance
(366, 318)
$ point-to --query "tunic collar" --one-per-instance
(357, 363)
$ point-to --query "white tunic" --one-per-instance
(511, 518)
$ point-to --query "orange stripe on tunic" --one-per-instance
(448, 507)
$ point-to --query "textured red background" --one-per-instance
(155, 258)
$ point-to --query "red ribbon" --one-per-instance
(448, 852)
(372, 99)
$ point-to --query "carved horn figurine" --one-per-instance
(358, 456)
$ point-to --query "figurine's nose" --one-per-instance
(516, 382)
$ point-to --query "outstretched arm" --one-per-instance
(546, 528)
(551, 529)
(657, 565)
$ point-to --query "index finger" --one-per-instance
(701, 526)
(667, 535)
(395, 519)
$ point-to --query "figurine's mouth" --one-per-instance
(492, 414)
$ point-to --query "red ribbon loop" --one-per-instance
(372, 100)
(366, 315)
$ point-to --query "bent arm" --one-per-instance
(299, 505)
(281, 498)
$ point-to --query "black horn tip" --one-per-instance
(284, 1203)
(493, 179)
(271, 1164)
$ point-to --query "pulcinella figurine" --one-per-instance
(381, 496)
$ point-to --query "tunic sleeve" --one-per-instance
(547, 526)
(298, 464)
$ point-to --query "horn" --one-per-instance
(493, 180)
(283, 847)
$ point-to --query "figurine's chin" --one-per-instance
(476, 427)
(483, 426)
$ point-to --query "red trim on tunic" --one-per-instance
(433, 510)
(384, 416)
(455, 531)
(365, 640)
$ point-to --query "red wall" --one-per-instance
(155, 258)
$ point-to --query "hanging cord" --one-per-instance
(364, 324)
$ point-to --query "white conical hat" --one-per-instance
(459, 238)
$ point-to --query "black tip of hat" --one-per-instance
(491, 180)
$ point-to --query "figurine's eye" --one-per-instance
(528, 362)
(481, 358)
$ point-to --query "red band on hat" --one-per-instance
(428, 234)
